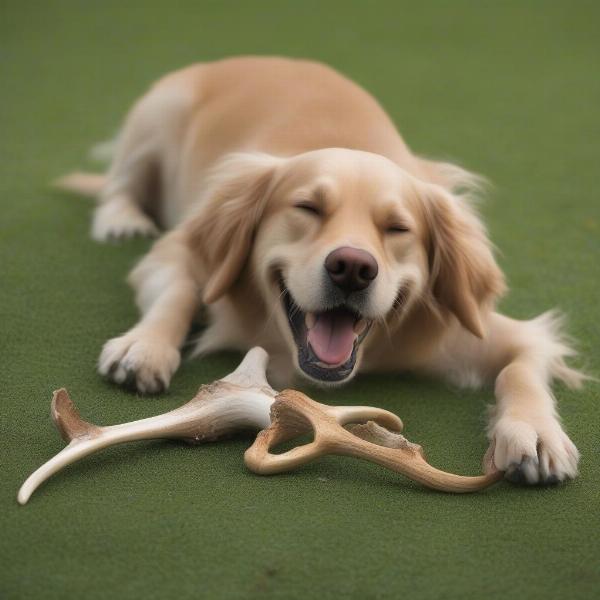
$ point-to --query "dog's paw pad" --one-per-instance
(523, 472)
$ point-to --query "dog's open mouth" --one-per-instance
(328, 340)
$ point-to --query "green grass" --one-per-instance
(510, 89)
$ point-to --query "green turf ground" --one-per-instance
(511, 89)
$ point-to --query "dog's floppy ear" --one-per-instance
(464, 276)
(223, 230)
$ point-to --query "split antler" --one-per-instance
(294, 413)
(240, 401)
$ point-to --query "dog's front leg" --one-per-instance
(527, 439)
(168, 294)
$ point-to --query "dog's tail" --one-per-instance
(89, 184)
(86, 184)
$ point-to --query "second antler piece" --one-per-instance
(293, 413)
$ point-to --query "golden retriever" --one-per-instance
(302, 222)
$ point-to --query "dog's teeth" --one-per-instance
(360, 326)
(310, 320)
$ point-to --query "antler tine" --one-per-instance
(252, 371)
(409, 459)
(67, 419)
(361, 414)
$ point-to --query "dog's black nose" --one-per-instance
(351, 269)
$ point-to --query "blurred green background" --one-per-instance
(509, 89)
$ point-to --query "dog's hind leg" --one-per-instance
(142, 150)
(120, 212)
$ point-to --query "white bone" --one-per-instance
(242, 400)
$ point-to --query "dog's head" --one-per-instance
(339, 241)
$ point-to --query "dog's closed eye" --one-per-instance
(396, 228)
(309, 207)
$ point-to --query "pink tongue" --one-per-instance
(332, 337)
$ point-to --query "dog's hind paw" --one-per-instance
(533, 452)
(120, 218)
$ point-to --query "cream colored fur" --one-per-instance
(221, 154)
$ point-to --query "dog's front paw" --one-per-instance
(138, 362)
(535, 451)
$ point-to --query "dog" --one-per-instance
(297, 219)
